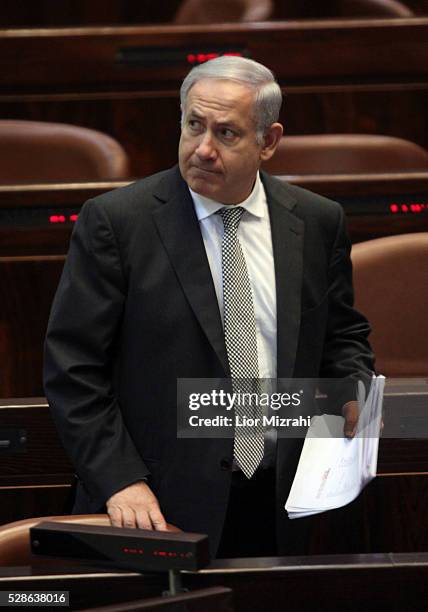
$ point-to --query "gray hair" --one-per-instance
(268, 96)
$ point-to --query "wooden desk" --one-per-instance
(374, 583)
(40, 459)
(26, 211)
(390, 515)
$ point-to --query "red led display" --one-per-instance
(57, 219)
(62, 218)
(155, 553)
(133, 551)
(394, 208)
(414, 207)
(169, 553)
(200, 58)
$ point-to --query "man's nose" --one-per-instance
(206, 147)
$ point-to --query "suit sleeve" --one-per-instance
(347, 353)
(82, 335)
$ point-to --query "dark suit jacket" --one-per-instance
(136, 309)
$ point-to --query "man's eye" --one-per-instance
(194, 124)
(228, 134)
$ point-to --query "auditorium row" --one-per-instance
(364, 78)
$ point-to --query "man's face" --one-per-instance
(218, 153)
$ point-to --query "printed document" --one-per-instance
(332, 469)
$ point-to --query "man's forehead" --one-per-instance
(220, 94)
(226, 89)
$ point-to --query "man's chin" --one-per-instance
(203, 186)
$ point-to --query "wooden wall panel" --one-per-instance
(26, 501)
(388, 516)
(41, 460)
(27, 288)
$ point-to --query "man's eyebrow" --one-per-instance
(194, 113)
(228, 124)
(225, 123)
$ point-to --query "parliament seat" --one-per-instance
(39, 151)
(372, 8)
(391, 289)
(345, 154)
(344, 9)
(15, 537)
(222, 11)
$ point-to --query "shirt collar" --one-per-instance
(254, 204)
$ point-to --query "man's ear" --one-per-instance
(271, 141)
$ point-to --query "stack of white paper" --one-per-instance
(333, 470)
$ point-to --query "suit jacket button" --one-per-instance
(225, 463)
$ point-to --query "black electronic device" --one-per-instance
(138, 549)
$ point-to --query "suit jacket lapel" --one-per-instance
(287, 240)
(179, 232)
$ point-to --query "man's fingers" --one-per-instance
(128, 517)
(150, 519)
(143, 519)
(349, 431)
(122, 516)
(158, 521)
(115, 515)
(349, 428)
(136, 506)
(351, 414)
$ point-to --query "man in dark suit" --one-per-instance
(140, 305)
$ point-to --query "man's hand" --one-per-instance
(136, 506)
(351, 412)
